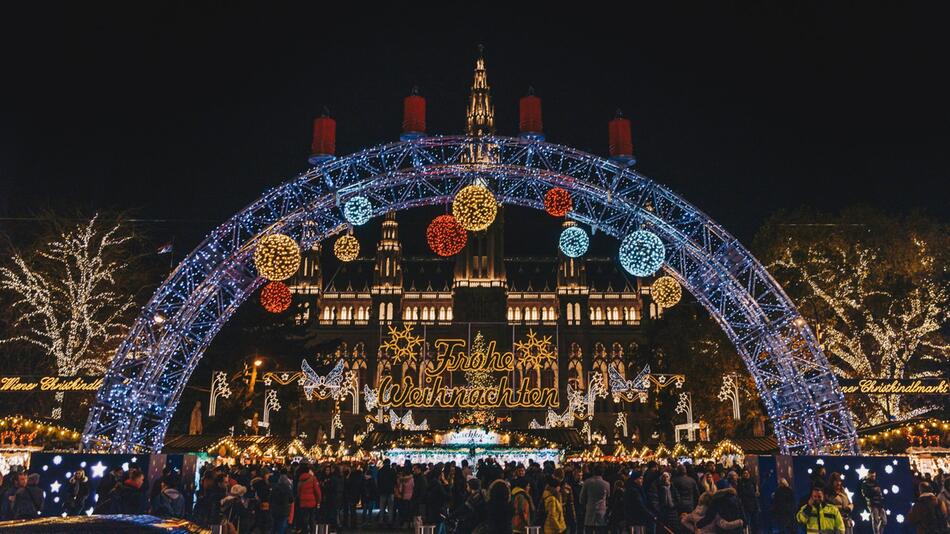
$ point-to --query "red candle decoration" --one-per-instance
(621, 143)
(557, 202)
(445, 236)
(324, 136)
(414, 114)
(275, 297)
(530, 114)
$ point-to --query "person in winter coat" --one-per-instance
(521, 506)
(819, 516)
(77, 493)
(309, 498)
(637, 510)
(748, 492)
(279, 500)
(690, 520)
(927, 515)
(403, 494)
(724, 510)
(129, 497)
(687, 490)
(472, 513)
(25, 498)
(874, 497)
(616, 516)
(783, 508)
(594, 494)
(554, 522)
(386, 484)
(838, 497)
(437, 496)
(370, 496)
(352, 490)
(169, 502)
(944, 496)
(666, 502)
(498, 508)
(234, 510)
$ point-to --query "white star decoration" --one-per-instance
(54, 487)
(865, 516)
(98, 470)
(862, 472)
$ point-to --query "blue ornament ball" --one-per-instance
(642, 253)
(573, 242)
(358, 210)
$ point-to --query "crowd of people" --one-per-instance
(484, 497)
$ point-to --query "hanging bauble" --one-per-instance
(275, 297)
(445, 236)
(358, 210)
(642, 253)
(474, 207)
(573, 242)
(557, 202)
(346, 248)
(666, 291)
(277, 257)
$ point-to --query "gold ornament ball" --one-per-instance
(346, 248)
(474, 207)
(277, 257)
(666, 291)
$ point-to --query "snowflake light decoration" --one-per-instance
(642, 253)
(535, 350)
(358, 210)
(402, 343)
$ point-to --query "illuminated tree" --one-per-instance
(67, 298)
(874, 289)
(479, 379)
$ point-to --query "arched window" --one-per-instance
(577, 312)
(389, 311)
(534, 313)
(415, 313)
(517, 314)
(407, 314)
(448, 313)
(570, 313)
(382, 311)
(442, 313)
(511, 313)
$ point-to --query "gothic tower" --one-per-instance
(387, 273)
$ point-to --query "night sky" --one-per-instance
(188, 113)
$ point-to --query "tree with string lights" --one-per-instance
(874, 289)
(69, 296)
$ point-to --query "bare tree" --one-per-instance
(66, 300)
(875, 290)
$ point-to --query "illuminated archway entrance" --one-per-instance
(149, 371)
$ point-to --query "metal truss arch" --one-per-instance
(151, 367)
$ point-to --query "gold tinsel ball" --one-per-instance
(474, 207)
(346, 248)
(666, 291)
(277, 257)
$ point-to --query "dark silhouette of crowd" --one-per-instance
(484, 497)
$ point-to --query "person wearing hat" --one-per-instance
(233, 510)
(638, 515)
(819, 516)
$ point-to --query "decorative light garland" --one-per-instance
(445, 236)
(642, 253)
(346, 248)
(573, 242)
(358, 210)
(474, 207)
(557, 202)
(277, 257)
(666, 291)
(276, 297)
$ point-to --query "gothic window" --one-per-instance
(577, 312)
(407, 316)
(448, 314)
(389, 311)
(517, 314)
(442, 313)
(570, 313)
(511, 313)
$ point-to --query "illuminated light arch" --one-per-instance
(151, 367)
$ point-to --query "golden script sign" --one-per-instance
(883, 386)
(12, 384)
(433, 393)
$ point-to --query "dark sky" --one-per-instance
(189, 112)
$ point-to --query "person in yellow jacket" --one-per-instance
(554, 522)
(820, 517)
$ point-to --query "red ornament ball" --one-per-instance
(446, 236)
(557, 202)
(275, 297)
